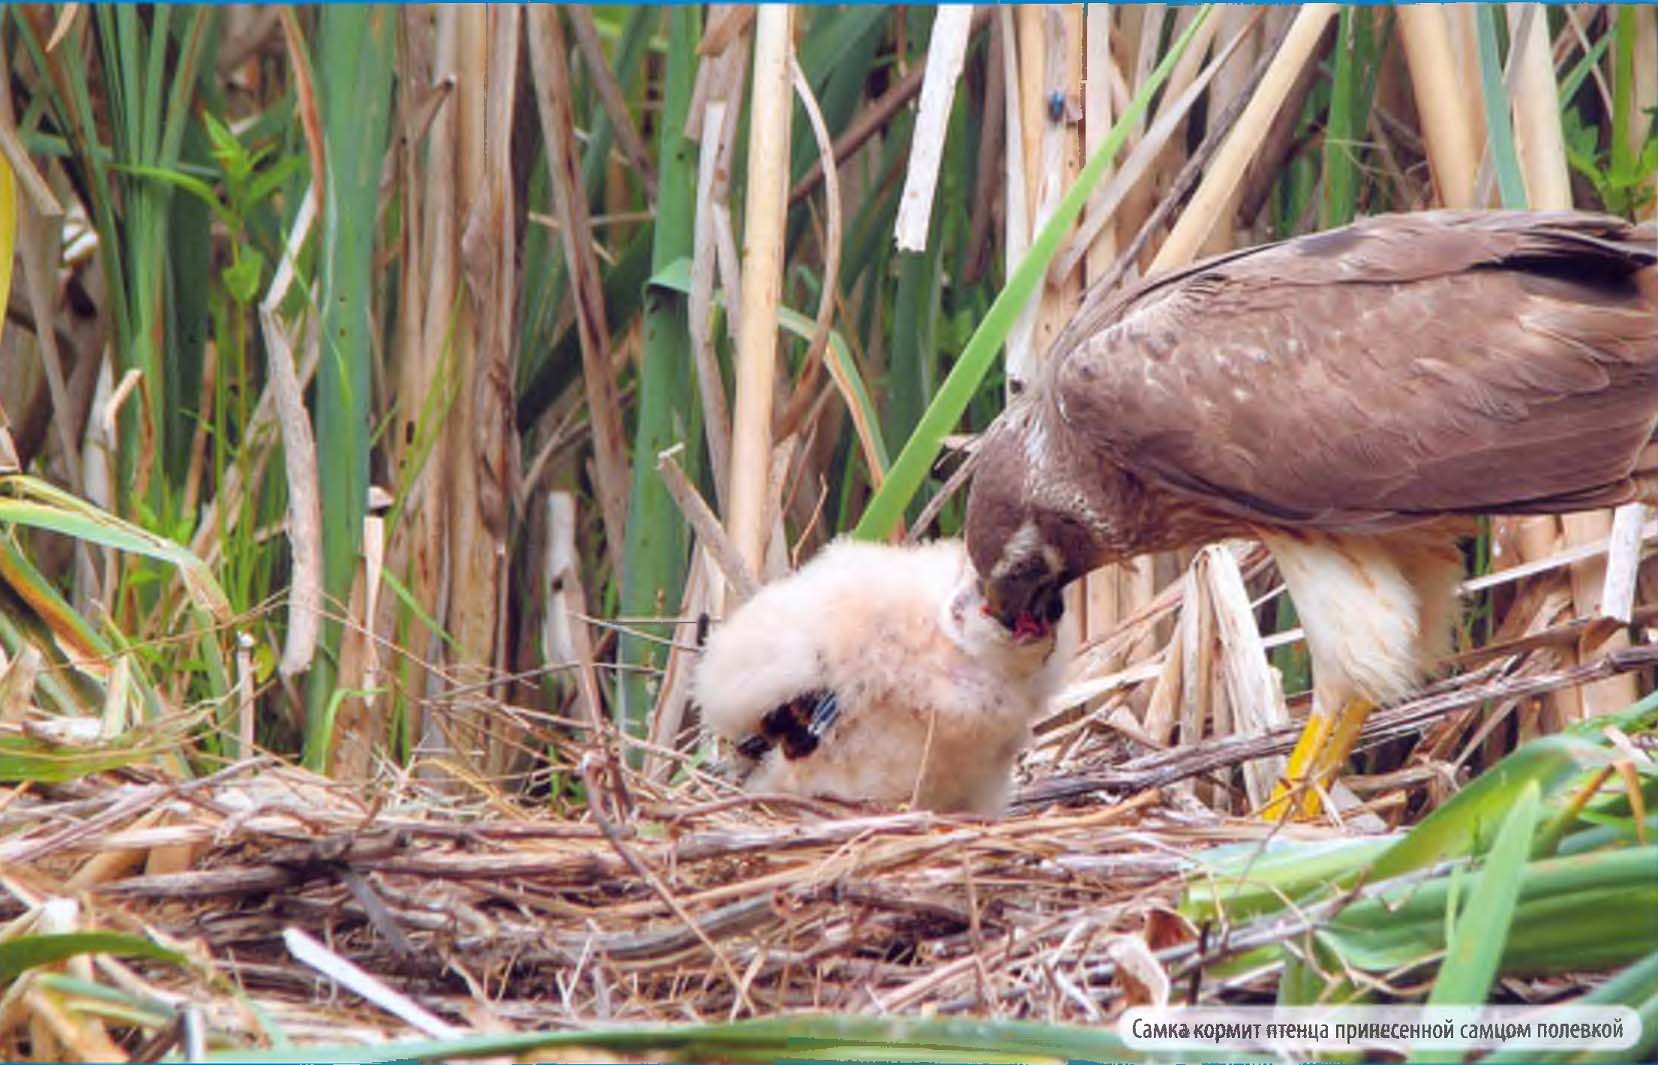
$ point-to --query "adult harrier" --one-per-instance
(1348, 398)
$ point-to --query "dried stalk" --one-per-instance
(299, 456)
(1229, 163)
(610, 97)
(1446, 126)
(763, 220)
(552, 81)
(946, 50)
(805, 388)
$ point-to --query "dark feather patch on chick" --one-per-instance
(798, 725)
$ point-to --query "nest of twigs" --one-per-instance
(422, 906)
(430, 903)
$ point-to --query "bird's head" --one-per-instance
(1028, 527)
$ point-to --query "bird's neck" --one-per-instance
(1125, 517)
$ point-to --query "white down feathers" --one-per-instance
(935, 700)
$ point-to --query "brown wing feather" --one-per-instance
(1404, 366)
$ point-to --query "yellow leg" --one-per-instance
(1318, 756)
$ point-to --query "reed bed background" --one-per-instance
(394, 391)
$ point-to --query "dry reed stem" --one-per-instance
(1227, 168)
(1016, 223)
(299, 457)
(764, 217)
(739, 575)
(716, 417)
(1102, 589)
(805, 387)
(610, 97)
(307, 950)
(487, 464)
(1135, 169)
(1233, 81)
(992, 148)
(1252, 691)
(37, 242)
(946, 51)
(1537, 133)
(1447, 129)
(1059, 158)
(732, 21)
(552, 82)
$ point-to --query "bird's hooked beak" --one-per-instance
(1028, 604)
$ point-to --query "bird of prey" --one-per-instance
(1350, 398)
(875, 673)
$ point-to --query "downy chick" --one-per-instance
(874, 673)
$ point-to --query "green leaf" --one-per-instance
(1499, 130)
(242, 277)
(26, 500)
(812, 1036)
(357, 45)
(1481, 932)
(23, 953)
(1462, 825)
(657, 538)
(179, 180)
(1579, 913)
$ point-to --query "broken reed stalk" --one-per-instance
(1227, 168)
(716, 416)
(946, 51)
(764, 217)
(299, 455)
(739, 575)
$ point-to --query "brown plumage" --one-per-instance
(873, 673)
(1343, 396)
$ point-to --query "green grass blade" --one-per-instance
(41, 760)
(1481, 931)
(904, 479)
(1582, 913)
(26, 500)
(1241, 880)
(19, 955)
(357, 45)
(1498, 128)
(1581, 70)
(1349, 110)
(1623, 91)
(771, 1038)
(1461, 826)
(654, 558)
